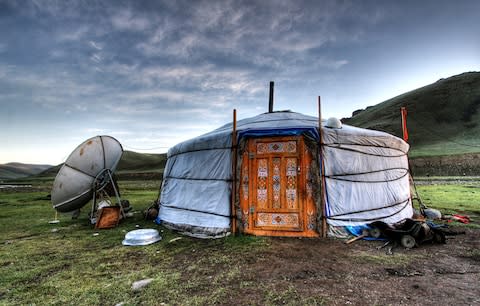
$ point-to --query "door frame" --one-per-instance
(307, 211)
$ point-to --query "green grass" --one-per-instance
(442, 117)
(65, 263)
(469, 180)
(441, 148)
(452, 198)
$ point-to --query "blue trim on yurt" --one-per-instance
(313, 132)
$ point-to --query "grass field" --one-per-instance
(65, 263)
(68, 263)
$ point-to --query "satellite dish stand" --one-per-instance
(101, 181)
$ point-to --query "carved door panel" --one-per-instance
(274, 197)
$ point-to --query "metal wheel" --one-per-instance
(439, 238)
(375, 232)
(408, 241)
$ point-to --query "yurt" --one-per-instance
(282, 174)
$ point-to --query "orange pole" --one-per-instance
(234, 173)
(403, 111)
(322, 182)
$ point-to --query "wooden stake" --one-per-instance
(234, 173)
(356, 238)
(403, 112)
(322, 170)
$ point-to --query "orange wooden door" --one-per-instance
(275, 195)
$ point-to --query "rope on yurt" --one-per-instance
(361, 152)
(197, 179)
(335, 217)
(336, 176)
(276, 120)
(195, 210)
(360, 145)
(199, 150)
(417, 196)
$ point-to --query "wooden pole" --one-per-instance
(403, 112)
(234, 173)
(322, 170)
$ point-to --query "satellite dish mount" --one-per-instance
(104, 186)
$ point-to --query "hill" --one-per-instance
(19, 170)
(133, 161)
(131, 165)
(443, 117)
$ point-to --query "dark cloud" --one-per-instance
(180, 64)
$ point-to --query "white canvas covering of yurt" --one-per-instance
(279, 186)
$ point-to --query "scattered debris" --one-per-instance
(138, 285)
(95, 234)
(141, 237)
(151, 212)
(75, 214)
(107, 216)
(432, 214)
(409, 233)
(458, 218)
(403, 272)
(174, 239)
(55, 221)
(365, 233)
(125, 205)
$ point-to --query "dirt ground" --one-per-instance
(330, 272)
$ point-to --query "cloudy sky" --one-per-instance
(154, 73)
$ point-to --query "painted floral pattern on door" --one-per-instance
(262, 190)
(278, 219)
(276, 186)
(245, 180)
(291, 190)
(277, 147)
(276, 182)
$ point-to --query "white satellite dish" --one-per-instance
(88, 169)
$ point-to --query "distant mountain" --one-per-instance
(443, 117)
(131, 162)
(19, 170)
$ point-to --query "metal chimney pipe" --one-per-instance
(270, 99)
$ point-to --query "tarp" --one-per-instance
(365, 174)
